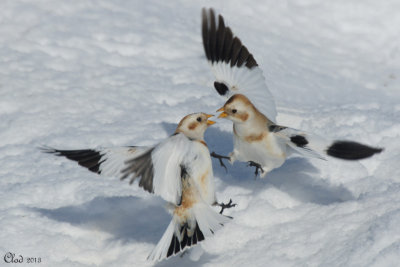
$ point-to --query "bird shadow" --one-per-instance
(125, 218)
(300, 179)
(297, 176)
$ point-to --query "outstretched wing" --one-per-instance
(167, 162)
(234, 67)
(315, 146)
(158, 169)
(103, 161)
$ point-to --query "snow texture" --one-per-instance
(87, 74)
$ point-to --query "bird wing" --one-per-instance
(103, 161)
(315, 146)
(302, 142)
(234, 67)
(167, 162)
(158, 169)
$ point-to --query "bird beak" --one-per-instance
(209, 123)
(223, 114)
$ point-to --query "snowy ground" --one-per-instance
(81, 74)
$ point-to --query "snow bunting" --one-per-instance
(178, 169)
(258, 140)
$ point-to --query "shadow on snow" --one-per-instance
(297, 176)
(125, 218)
(145, 219)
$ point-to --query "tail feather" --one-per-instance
(209, 220)
(351, 150)
(181, 236)
(164, 245)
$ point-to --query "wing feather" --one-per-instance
(309, 145)
(234, 66)
(159, 169)
(103, 161)
(168, 159)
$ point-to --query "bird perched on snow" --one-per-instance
(178, 169)
(258, 140)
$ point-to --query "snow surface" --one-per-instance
(84, 74)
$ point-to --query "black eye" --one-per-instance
(234, 110)
(198, 119)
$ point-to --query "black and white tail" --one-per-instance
(181, 235)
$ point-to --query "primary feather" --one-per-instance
(234, 67)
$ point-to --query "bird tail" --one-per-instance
(180, 235)
(317, 147)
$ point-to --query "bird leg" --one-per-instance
(258, 167)
(225, 206)
(220, 157)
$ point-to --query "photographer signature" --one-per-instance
(10, 257)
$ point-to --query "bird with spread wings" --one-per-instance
(258, 140)
(178, 169)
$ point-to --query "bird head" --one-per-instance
(194, 125)
(238, 109)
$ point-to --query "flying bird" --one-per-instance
(258, 140)
(178, 170)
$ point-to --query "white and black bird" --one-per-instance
(178, 170)
(258, 140)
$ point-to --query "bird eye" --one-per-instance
(198, 119)
(234, 110)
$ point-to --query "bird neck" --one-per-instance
(253, 127)
(194, 136)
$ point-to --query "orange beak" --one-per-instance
(208, 121)
(223, 114)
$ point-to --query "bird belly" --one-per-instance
(268, 152)
(201, 171)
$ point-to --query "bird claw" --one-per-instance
(226, 206)
(258, 167)
(220, 157)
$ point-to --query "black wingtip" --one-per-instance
(220, 44)
(47, 149)
(350, 150)
(88, 158)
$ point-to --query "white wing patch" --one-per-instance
(307, 144)
(234, 67)
(113, 159)
(249, 82)
(167, 159)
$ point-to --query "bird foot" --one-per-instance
(220, 157)
(258, 168)
(226, 206)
